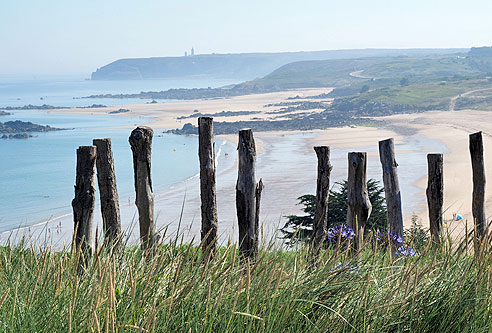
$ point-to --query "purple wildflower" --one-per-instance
(340, 233)
(406, 251)
(385, 237)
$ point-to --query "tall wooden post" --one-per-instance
(108, 193)
(435, 194)
(478, 168)
(206, 154)
(246, 194)
(141, 144)
(84, 200)
(320, 225)
(391, 185)
(359, 205)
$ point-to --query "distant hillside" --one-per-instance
(376, 72)
(242, 66)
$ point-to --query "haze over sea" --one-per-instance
(38, 173)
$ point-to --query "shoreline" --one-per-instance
(287, 164)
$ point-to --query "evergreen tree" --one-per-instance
(301, 227)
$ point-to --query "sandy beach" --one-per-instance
(453, 129)
(287, 164)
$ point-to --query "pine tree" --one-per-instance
(300, 228)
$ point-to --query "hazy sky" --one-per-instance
(77, 36)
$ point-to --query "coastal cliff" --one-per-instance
(243, 66)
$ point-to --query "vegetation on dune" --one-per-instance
(439, 289)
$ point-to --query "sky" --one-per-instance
(78, 36)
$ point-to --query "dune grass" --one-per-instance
(441, 289)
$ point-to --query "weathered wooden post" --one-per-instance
(206, 154)
(478, 169)
(320, 225)
(359, 205)
(108, 193)
(141, 144)
(246, 194)
(84, 200)
(435, 194)
(258, 191)
(391, 185)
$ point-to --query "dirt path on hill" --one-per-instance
(452, 103)
(358, 74)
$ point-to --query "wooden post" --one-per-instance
(141, 144)
(246, 194)
(359, 205)
(435, 194)
(478, 168)
(258, 191)
(108, 193)
(206, 153)
(84, 200)
(320, 224)
(391, 185)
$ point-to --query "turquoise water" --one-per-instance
(37, 174)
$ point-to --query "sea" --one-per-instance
(37, 174)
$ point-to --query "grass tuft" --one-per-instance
(441, 289)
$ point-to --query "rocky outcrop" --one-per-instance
(18, 126)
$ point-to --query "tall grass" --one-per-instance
(441, 289)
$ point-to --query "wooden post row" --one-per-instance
(320, 225)
(435, 194)
(108, 193)
(359, 205)
(84, 200)
(391, 185)
(141, 144)
(478, 169)
(206, 154)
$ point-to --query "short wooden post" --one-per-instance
(206, 154)
(258, 191)
(478, 169)
(435, 194)
(320, 224)
(246, 194)
(141, 144)
(84, 200)
(391, 185)
(359, 205)
(108, 193)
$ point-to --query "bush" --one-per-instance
(300, 228)
(416, 234)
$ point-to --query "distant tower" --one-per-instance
(192, 52)
(186, 54)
